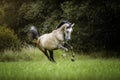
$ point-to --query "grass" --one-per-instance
(37, 67)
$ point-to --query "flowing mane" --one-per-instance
(61, 23)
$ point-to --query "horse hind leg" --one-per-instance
(51, 56)
(46, 54)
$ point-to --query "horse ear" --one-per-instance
(72, 24)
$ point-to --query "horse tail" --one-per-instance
(34, 33)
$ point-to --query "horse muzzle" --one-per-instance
(67, 39)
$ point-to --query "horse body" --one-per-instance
(52, 41)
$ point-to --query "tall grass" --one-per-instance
(31, 64)
(29, 54)
(26, 54)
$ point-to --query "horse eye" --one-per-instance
(67, 31)
(68, 27)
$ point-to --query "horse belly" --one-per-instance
(49, 44)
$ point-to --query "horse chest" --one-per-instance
(60, 37)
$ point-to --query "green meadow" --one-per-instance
(31, 64)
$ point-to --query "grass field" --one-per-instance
(37, 67)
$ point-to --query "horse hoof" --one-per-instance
(72, 59)
(63, 55)
(66, 49)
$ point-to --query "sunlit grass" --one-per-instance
(37, 67)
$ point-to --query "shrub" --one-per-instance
(8, 40)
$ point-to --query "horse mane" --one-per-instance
(61, 23)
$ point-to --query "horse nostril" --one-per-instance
(67, 39)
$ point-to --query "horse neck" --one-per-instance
(62, 28)
(59, 34)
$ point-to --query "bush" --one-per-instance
(8, 40)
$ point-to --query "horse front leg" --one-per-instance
(62, 47)
(66, 44)
(71, 48)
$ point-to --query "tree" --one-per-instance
(96, 23)
(8, 40)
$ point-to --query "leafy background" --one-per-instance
(97, 25)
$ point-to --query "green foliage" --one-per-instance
(31, 10)
(8, 40)
(2, 14)
(96, 24)
(96, 21)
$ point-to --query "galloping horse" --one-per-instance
(54, 40)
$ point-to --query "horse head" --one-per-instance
(68, 28)
(68, 31)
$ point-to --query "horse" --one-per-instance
(55, 40)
